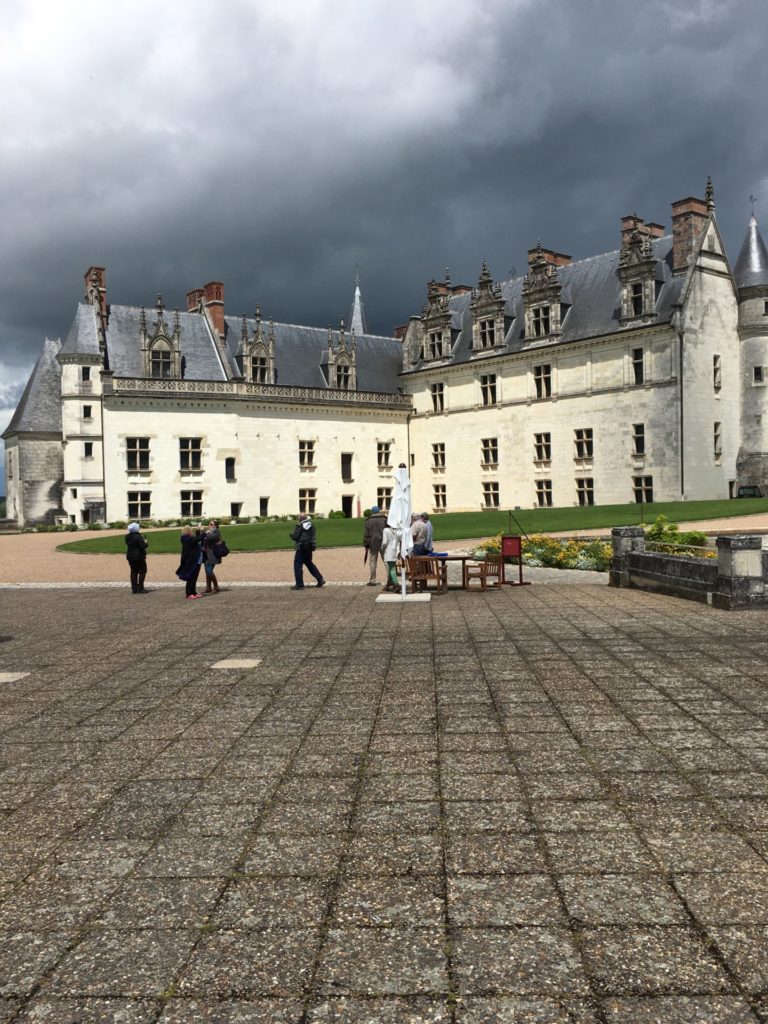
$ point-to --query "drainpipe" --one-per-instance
(680, 349)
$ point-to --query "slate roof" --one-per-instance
(300, 353)
(201, 361)
(752, 265)
(39, 408)
(590, 288)
(83, 337)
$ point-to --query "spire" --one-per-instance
(752, 265)
(709, 195)
(357, 315)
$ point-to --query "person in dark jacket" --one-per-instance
(136, 553)
(372, 534)
(304, 537)
(210, 540)
(191, 560)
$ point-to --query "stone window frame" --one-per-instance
(491, 494)
(139, 504)
(307, 500)
(191, 506)
(87, 412)
(542, 446)
(488, 389)
(435, 344)
(486, 333)
(489, 450)
(190, 454)
(642, 488)
(384, 454)
(438, 455)
(230, 469)
(85, 375)
(583, 440)
(343, 373)
(585, 491)
(758, 376)
(160, 356)
(543, 493)
(542, 381)
(437, 391)
(258, 362)
(637, 365)
(540, 317)
(384, 498)
(717, 373)
(717, 441)
(307, 452)
(87, 449)
(638, 440)
(439, 497)
(137, 454)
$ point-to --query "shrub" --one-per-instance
(666, 537)
(366, 513)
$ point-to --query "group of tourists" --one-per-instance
(204, 547)
(379, 539)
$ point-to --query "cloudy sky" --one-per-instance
(274, 145)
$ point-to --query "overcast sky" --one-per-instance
(274, 144)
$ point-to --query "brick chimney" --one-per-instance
(689, 216)
(655, 230)
(556, 259)
(634, 223)
(96, 288)
(213, 301)
(193, 299)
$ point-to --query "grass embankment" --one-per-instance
(452, 526)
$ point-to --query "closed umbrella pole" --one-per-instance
(399, 517)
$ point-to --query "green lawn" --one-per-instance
(452, 526)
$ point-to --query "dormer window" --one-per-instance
(540, 321)
(260, 369)
(161, 362)
(256, 355)
(487, 308)
(435, 345)
(160, 347)
(343, 375)
(340, 361)
(637, 298)
(487, 331)
(636, 270)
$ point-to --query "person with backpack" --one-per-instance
(304, 537)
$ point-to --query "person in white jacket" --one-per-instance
(390, 549)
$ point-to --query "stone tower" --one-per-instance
(751, 276)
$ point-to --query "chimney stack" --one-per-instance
(634, 223)
(213, 300)
(96, 288)
(193, 300)
(689, 217)
(555, 259)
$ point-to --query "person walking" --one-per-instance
(211, 538)
(372, 535)
(191, 560)
(136, 553)
(390, 549)
(305, 539)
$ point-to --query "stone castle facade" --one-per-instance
(635, 375)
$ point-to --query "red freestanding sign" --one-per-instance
(512, 547)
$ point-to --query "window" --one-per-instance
(542, 378)
(438, 497)
(73, 491)
(346, 467)
(717, 378)
(191, 503)
(638, 369)
(637, 298)
(544, 493)
(260, 369)
(435, 345)
(85, 373)
(306, 454)
(540, 321)
(190, 453)
(490, 494)
(638, 439)
(438, 397)
(160, 363)
(235, 508)
(717, 447)
(585, 491)
(87, 412)
(307, 500)
(263, 508)
(383, 498)
(343, 375)
(487, 333)
(488, 388)
(490, 448)
(542, 445)
(139, 506)
(765, 308)
(88, 450)
(583, 439)
(136, 454)
(384, 454)
(229, 469)
(438, 455)
(643, 488)
(757, 375)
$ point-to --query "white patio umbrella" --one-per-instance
(399, 517)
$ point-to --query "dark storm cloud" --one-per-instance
(272, 145)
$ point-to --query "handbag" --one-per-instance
(220, 549)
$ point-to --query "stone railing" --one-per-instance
(738, 578)
(238, 389)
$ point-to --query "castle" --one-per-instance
(635, 375)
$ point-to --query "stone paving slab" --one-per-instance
(541, 805)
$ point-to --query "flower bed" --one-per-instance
(556, 552)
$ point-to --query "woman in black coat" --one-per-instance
(136, 554)
(191, 560)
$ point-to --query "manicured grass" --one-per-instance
(452, 526)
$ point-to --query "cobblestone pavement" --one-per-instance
(543, 805)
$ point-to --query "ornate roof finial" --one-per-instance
(176, 320)
(142, 319)
(709, 194)
(448, 276)
(159, 304)
(271, 330)
(244, 329)
(485, 278)
(257, 316)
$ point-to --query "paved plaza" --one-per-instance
(541, 805)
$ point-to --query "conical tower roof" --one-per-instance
(357, 315)
(752, 265)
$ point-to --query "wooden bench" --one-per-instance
(487, 573)
(420, 569)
